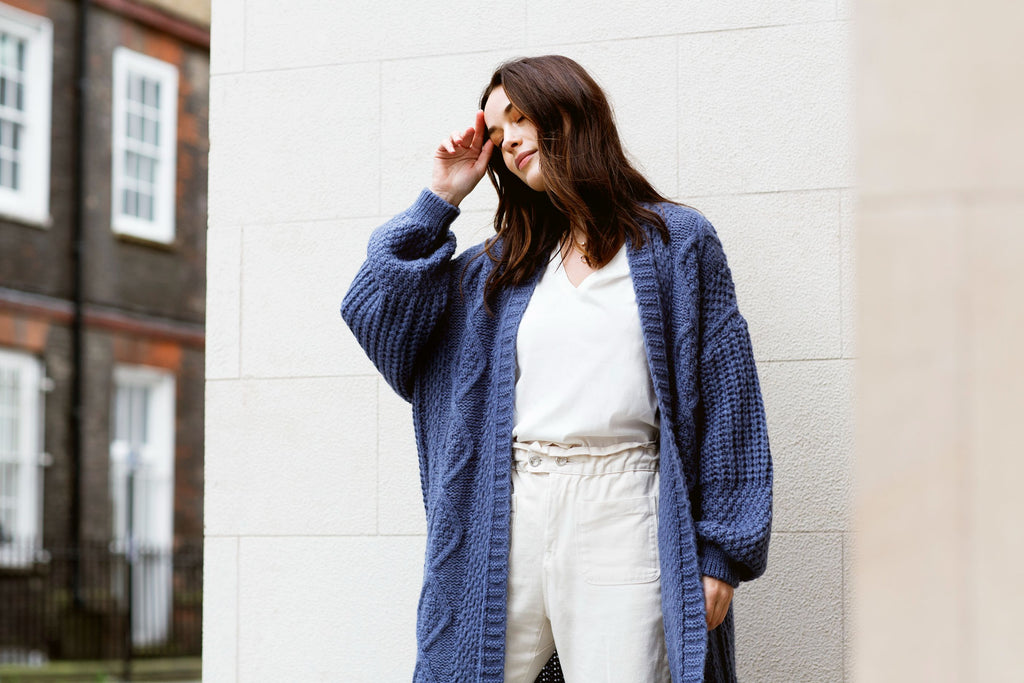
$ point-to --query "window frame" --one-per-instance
(23, 546)
(161, 229)
(148, 553)
(31, 202)
(160, 444)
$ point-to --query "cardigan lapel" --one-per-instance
(649, 298)
(676, 539)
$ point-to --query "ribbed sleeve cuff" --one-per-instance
(417, 232)
(715, 563)
(434, 210)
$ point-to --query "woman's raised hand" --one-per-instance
(460, 162)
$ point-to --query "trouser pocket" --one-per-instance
(617, 540)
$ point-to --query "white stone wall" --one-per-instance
(940, 552)
(324, 116)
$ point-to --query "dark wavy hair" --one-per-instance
(590, 184)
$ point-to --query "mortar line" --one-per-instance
(238, 605)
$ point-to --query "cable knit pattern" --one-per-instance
(418, 313)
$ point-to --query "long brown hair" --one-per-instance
(590, 184)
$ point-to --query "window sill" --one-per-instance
(171, 246)
(21, 219)
(21, 562)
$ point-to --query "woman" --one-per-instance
(592, 443)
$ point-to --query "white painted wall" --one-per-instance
(323, 119)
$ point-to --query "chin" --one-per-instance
(536, 183)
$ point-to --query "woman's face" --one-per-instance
(516, 137)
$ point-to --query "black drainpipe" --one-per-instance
(77, 328)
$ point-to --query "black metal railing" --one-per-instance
(99, 602)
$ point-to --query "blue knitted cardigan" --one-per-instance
(418, 313)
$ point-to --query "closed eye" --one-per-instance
(499, 141)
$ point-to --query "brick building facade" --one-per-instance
(102, 288)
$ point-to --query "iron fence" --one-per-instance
(99, 602)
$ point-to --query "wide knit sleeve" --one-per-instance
(734, 506)
(400, 292)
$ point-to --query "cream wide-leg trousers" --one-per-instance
(583, 567)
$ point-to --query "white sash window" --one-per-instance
(26, 66)
(142, 493)
(21, 457)
(145, 134)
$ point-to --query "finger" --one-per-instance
(479, 126)
(709, 605)
(469, 136)
(713, 609)
(722, 601)
(485, 156)
(718, 613)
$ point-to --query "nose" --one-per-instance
(512, 139)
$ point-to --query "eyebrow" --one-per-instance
(490, 131)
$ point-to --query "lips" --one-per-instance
(521, 159)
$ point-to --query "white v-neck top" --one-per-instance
(581, 371)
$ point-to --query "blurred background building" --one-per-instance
(103, 171)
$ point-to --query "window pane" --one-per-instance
(21, 55)
(129, 414)
(133, 88)
(143, 426)
(147, 169)
(9, 407)
(115, 427)
(130, 203)
(131, 164)
(134, 127)
(152, 94)
(134, 408)
(3, 91)
(6, 173)
(7, 445)
(151, 132)
(8, 480)
(19, 99)
(145, 207)
(10, 50)
(8, 434)
(16, 145)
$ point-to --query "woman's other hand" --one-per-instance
(717, 596)
(460, 162)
